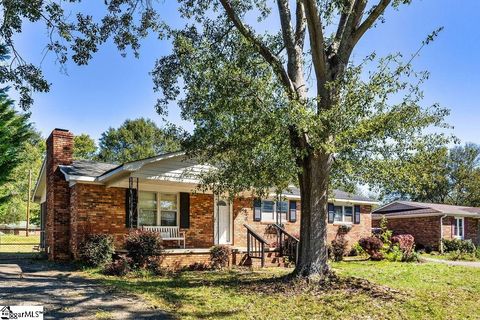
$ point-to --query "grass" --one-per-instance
(427, 291)
(17, 243)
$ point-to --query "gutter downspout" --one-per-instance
(441, 233)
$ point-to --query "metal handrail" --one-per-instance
(290, 250)
(255, 245)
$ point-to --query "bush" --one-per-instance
(97, 250)
(219, 255)
(356, 250)
(119, 267)
(406, 244)
(372, 245)
(462, 246)
(394, 254)
(477, 253)
(385, 233)
(339, 248)
(142, 245)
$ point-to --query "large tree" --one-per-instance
(272, 107)
(137, 139)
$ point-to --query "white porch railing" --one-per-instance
(168, 233)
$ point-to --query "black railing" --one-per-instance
(255, 245)
(287, 243)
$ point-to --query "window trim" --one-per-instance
(343, 222)
(456, 221)
(159, 209)
(275, 212)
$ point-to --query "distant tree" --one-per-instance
(84, 147)
(14, 131)
(137, 139)
(441, 176)
(15, 190)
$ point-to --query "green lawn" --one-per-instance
(424, 291)
(17, 243)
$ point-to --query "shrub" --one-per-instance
(97, 249)
(394, 254)
(154, 265)
(385, 234)
(143, 245)
(372, 245)
(119, 267)
(219, 255)
(477, 253)
(339, 248)
(406, 244)
(462, 246)
(356, 250)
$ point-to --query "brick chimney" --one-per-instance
(59, 152)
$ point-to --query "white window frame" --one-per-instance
(159, 209)
(456, 221)
(275, 211)
(343, 214)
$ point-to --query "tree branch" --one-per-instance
(269, 57)
(300, 24)
(317, 44)
(376, 12)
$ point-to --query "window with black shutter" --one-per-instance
(257, 209)
(292, 212)
(131, 200)
(184, 210)
(356, 219)
(331, 213)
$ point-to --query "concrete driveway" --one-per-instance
(65, 294)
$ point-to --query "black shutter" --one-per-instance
(356, 216)
(257, 209)
(292, 212)
(331, 213)
(131, 200)
(184, 210)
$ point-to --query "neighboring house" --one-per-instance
(430, 222)
(84, 197)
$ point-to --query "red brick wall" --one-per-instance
(357, 231)
(96, 209)
(200, 233)
(425, 230)
(57, 228)
(243, 214)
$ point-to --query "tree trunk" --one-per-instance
(312, 260)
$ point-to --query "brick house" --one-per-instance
(430, 222)
(80, 197)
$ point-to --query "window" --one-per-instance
(340, 214)
(458, 228)
(273, 210)
(168, 209)
(147, 209)
(157, 209)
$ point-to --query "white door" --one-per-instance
(223, 222)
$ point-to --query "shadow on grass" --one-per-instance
(182, 291)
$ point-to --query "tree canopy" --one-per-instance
(271, 107)
(137, 139)
(443, 176)
(84, 147)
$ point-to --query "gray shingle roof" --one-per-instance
(405, 208)
(87, 168)
(337, 194)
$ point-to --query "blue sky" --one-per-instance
(111, 88)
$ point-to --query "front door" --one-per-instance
(223, 225)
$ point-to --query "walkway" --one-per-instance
(65, 294)
(474, 264)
